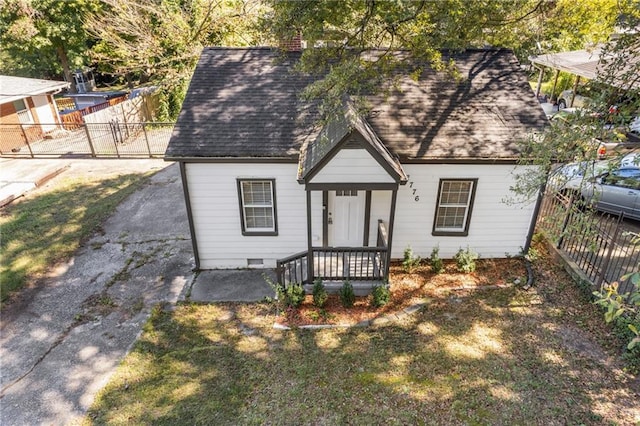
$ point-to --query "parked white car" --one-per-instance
(615, 191)
(564, 100)
(571, 177)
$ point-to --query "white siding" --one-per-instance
(352, 165)
(496, 228)
(380, 209)
(216, 214)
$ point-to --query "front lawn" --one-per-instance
(492, 356)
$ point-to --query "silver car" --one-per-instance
(615, 191)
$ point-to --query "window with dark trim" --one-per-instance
(454, 205)
(257, 198)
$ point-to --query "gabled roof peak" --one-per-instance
(345, 130)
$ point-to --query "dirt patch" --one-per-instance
(407, 290)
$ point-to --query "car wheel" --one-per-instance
(562, 104)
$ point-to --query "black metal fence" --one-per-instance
(602, 245)
(107, 140)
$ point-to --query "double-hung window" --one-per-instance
(453, 210)
(258, 206)
(24, 115)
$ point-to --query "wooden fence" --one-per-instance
(75, 118)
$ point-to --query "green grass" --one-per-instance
(48, 226)
(495, 358)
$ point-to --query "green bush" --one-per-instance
(291, 296)
(380, 296)
(466, 260)
(410, 261)
(437, 265)
(347, 296)
(319, 293)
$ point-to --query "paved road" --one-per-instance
(61, 341)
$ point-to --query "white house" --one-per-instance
(428, 166)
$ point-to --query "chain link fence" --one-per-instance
(101, 140)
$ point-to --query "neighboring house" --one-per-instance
(429, 166)
(27, 110)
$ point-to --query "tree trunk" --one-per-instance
(64, 60)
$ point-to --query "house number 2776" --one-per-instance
(414, 194)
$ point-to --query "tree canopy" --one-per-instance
(44, 38)
(341, 31)
(158, 41)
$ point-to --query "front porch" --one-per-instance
(364, 266)
(358, 179)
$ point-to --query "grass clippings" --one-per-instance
(486, 356)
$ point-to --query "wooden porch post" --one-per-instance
(392, 214)
(555, 83)
(539, 85)
(575, 89)
(309, 244)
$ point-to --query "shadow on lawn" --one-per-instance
(46, 229)
(461, 361)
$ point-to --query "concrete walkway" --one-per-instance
(61, 340)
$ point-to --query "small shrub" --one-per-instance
(291, 296)
(380, 296)
(466, 260)
(347, 296)
(410, 260)
(319, 293)
(437, 265)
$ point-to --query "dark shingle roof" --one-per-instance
(244, 103)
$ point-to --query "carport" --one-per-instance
(581, 63)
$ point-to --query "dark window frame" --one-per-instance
(249, 232)
(465, 231)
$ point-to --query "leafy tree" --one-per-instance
(617, 84)
(44, 38)
(159, 41)
(576, 139)
(354, 40)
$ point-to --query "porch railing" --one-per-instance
(293, 269)
(334, 264)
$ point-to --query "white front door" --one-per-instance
(346, 218)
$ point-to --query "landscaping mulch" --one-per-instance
(408, 289)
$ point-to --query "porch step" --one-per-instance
(360, 288)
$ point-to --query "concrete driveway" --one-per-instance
(61, 340)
